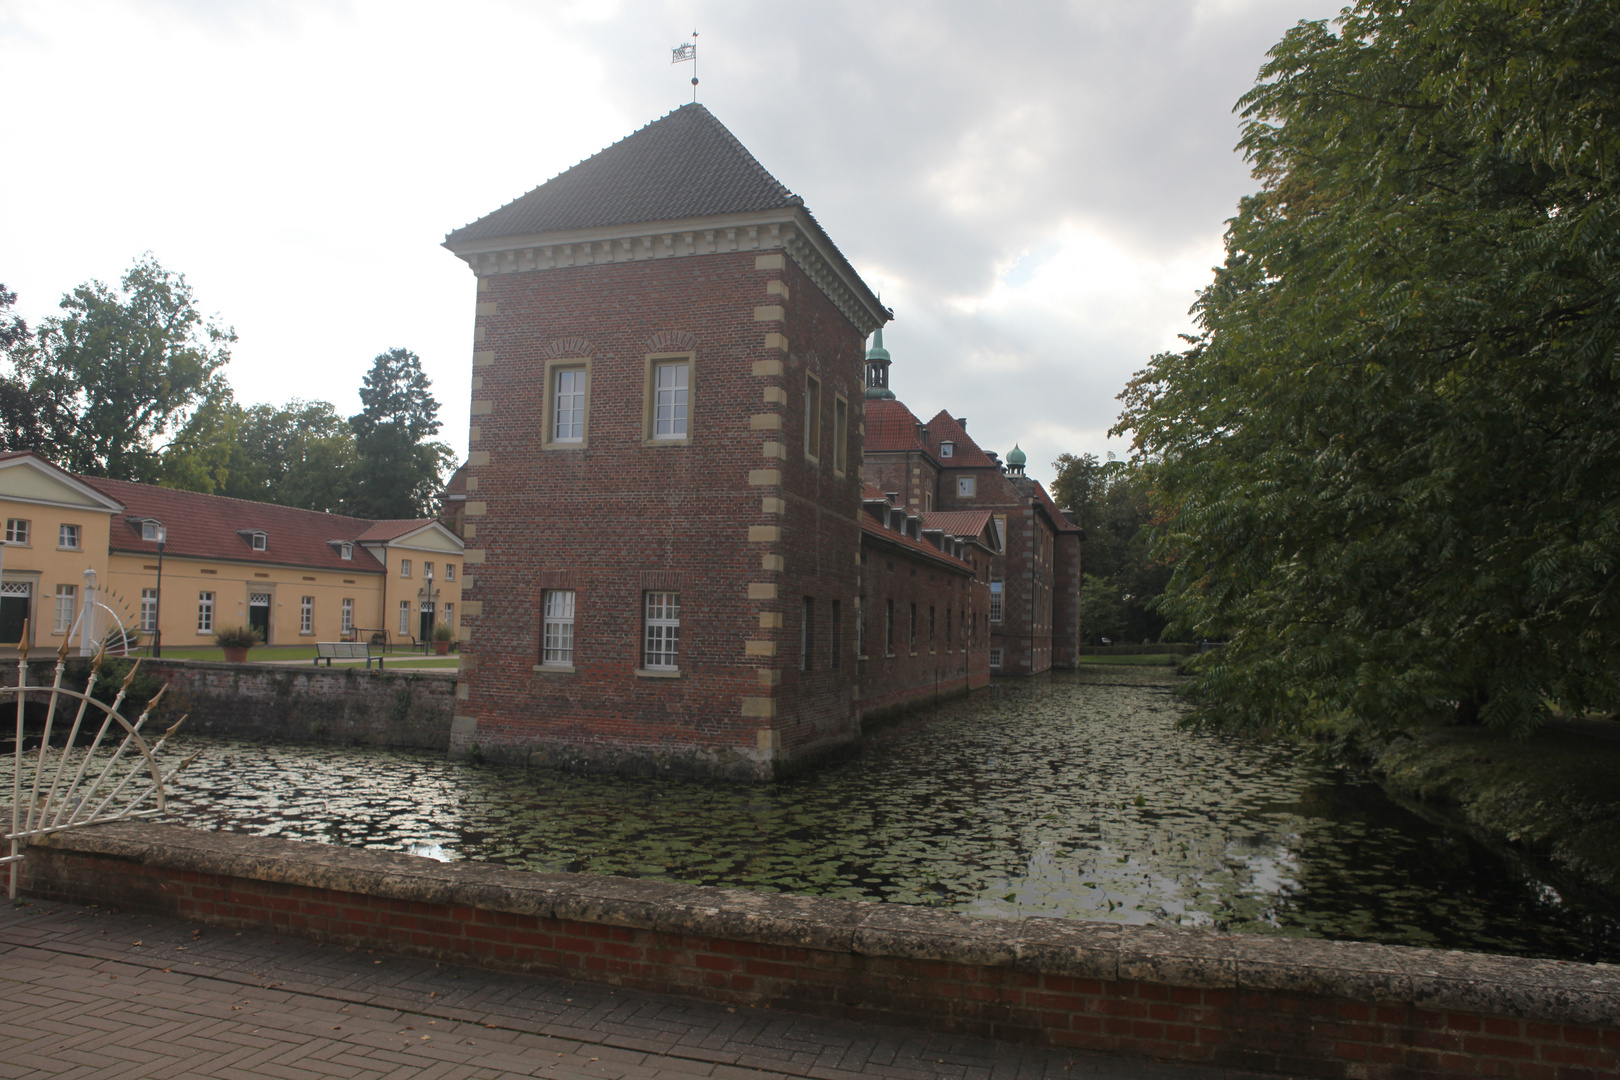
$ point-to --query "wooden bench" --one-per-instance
(346, 650)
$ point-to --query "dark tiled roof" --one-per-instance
(381, 532)
(890, 427)
(457, 487)
(205, 527)
(876, 531)
(967, 455)
(684, 165)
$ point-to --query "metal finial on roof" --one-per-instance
(682, 53)
(877, 368)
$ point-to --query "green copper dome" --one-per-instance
(877, 351)
(1017, 456)
(877, 368)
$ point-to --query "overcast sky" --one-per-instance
(1037, 189)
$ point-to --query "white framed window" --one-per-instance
(966, 486)
(995, 659)
(860, 627)
(449, 571)
(568, 404)
(17, 530)
(947, 449)
(662, 634)
(807, 635)
(205, 612)
(68, 537)
(348, 614)
(151, 530)
(557, 627)
(812, 416)
(404, 616)
(450, 616)
(149, 613)
(404, 568)
(1000, 522)
(345, 551)
(840, 434)
(67, 605)
(995, 601)
(670, 390)
(306, 615)
(837, 633)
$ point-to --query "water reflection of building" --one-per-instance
(676, 564)
(296, 575)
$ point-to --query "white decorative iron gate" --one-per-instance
(68, 786)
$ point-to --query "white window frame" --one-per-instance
(205, 612)
(149, 602)
(557, 628)
(670, 405)
(348, 614)
(67, 606)
(449, 571)
(568, 386)
(996, 589)
(306, 615)
(966, 486)
(259, 541)
(427, 571)
(66, 533)
(995, 659)
(405, 617)
(346, 551)
(151, 530)
(661, 630)
(947, 449)
(17, 530)
(450, 617)
(404, 568)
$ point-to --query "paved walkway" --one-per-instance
(90, 993)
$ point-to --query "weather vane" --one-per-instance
(682, 53)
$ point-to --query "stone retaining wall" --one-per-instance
(1302, 1007)
(297, 703)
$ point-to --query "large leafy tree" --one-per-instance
(1390, 461)
(119, 370)
(299, 454)
(1122, 578)
(397, 473)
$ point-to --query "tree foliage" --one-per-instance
(101, 384)
(1388, 461)
(1122, 579)
(299, 454)
(397, 474)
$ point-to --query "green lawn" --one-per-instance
(272, 653)
(1165, 660)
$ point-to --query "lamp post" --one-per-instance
(87, 618)
(157, 601)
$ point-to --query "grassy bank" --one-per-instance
(1556, 793)
(1132, 660)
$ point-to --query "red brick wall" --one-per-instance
(1300, 1034)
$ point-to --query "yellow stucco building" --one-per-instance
(188, 564)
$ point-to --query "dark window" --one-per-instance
(837, 626)
(888, 630)
(807, 634)
(913, 628)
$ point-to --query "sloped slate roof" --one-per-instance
(205, 527)
(685, 164)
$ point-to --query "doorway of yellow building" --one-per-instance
(259, 615)
(14, 599)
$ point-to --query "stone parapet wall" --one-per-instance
(297, 703)
(1304, 1007)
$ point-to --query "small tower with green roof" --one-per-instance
(877, 368)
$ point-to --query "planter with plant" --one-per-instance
(236, 641)
(443, 635)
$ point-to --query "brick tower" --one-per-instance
(663, 491)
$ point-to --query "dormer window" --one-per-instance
(947, 449)
(346, 551)
(151, 530)
(257, 539)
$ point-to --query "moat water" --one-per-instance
(1074, 795)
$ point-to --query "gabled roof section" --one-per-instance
(957, 522)
(202, 526)
(891, 427)
(944, 428)
(26, 476)
(685, 164)
(1032, 489)
(430, 534)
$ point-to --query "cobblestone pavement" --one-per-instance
(97, 993)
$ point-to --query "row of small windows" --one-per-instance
(969, 624)
(427, 570)
(660, 639)
(668, 407)
(20, 531)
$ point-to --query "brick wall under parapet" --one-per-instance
(294, 703)
(1282, 1005)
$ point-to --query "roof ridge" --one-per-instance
(94, 480)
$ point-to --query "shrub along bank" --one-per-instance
(1556, 793)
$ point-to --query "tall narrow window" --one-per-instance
(427, 571)
(306, 615)
(148, 610)
(450, 617)
(405, 617)
(669, 399)
(205, 612)
(840, 433)
(67, 604)
(449, 571)
(812, 416)
(404, 568)
(930, 627)
(348, 615)
(995, 600)
(568, 405)
(557, 628)
(837, 632)
(661, 635)
(888, 629)
(913, 638)
(807, 634)
(947, 629)
(995, 659)
(860, 627)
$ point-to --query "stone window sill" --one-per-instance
(658, 673)
(553, 669)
